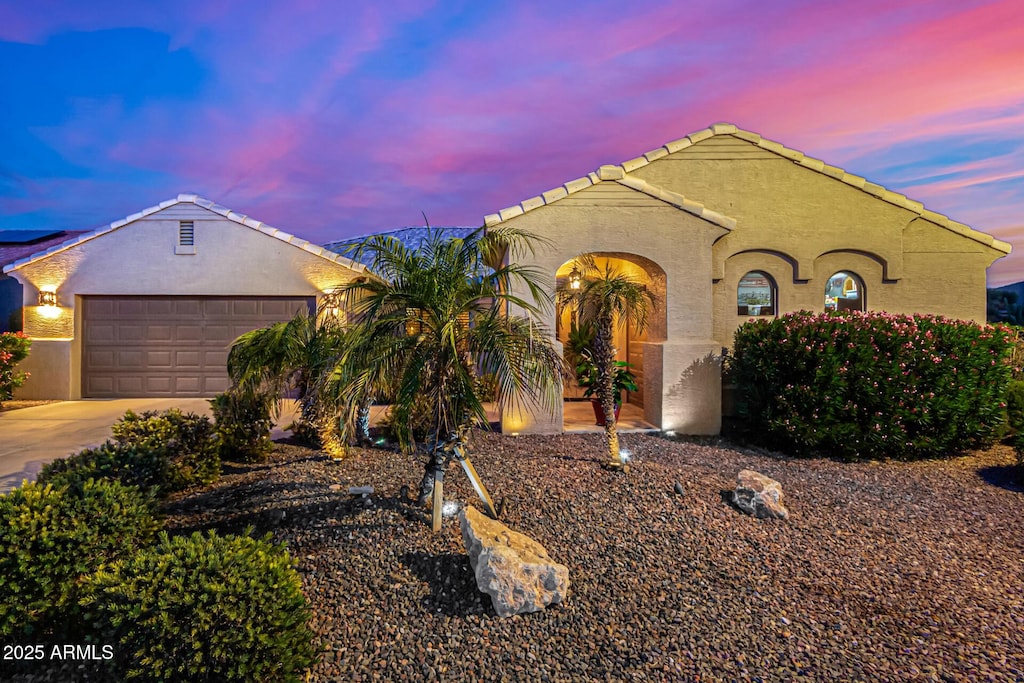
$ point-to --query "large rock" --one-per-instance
(512, 568)
(759, 496)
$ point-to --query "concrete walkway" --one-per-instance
(32, 437)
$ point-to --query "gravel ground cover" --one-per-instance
(884, 571)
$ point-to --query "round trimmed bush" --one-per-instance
(190, 442)
(244, 422)
(141, 465)
(52, 539)
(206, 608)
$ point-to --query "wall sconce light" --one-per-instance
(574, 277)
(47, 298)
(333, 303)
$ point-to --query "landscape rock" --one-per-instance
(512, 568)
(759, 496)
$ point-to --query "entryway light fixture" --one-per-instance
(574, 277)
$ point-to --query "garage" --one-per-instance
(148, 305)
(149, 346)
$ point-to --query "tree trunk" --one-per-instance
(604, 357)
(363, 423)
(435, 464)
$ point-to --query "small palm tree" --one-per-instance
(605, 298)
(287, 355)
(433, 320)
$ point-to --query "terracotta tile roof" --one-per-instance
(241, 219)
(729, 129)
(9, 253)
(611, 174)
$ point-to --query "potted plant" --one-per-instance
(586, 377)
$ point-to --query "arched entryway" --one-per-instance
(629, 341)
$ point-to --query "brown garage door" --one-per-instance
(168, 346)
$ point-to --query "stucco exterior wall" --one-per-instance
(801, 226)
(139, 259)
(608, 219)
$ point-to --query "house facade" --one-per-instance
(724, 226)
(148, 305)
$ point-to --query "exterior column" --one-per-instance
(683, 386)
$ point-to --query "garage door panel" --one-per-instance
(188, 384)
(245, 308)
(129, 385)
(101, 360)
(130, 307)
(100, 333)
(216, 307)
(188, 308)
(99, 308)
(158, 359)
(160, 307)
(133, 359)
(215, 358)
(130, 333)
(99, 385)
(186, 359)
(159, 384)
(159, 333)
(169, 346)
(215, 385)
(282, 309)
(190, 333)
(219, 334)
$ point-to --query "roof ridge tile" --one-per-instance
(188, 198)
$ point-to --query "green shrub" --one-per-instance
(141, 465)
(1015, 406)
(190, 441)
(14, 348)
(408, 425)
(52, 539)
(871, 385)
(205, 608)
(244, 422)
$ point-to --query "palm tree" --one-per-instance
(434, 319)
(605, 298)
(288, 355)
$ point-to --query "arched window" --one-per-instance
(844, 291)
(756, 294)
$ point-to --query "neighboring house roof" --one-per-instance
(411, 237)
(241, 219)
(12, 251)
(613, 173)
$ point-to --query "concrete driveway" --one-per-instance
(32, 437)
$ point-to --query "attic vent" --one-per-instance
(186, 238)
(186, 233)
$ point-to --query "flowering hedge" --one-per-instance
(13, 349)
(871, 385)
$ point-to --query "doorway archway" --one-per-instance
(629, 342)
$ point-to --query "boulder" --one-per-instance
(759, 496)
(512, 568)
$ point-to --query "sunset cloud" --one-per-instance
(336, 119)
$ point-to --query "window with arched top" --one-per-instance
(756, 294)
(844, 291)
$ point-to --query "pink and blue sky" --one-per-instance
(331, 119)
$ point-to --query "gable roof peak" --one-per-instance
(190, 198)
